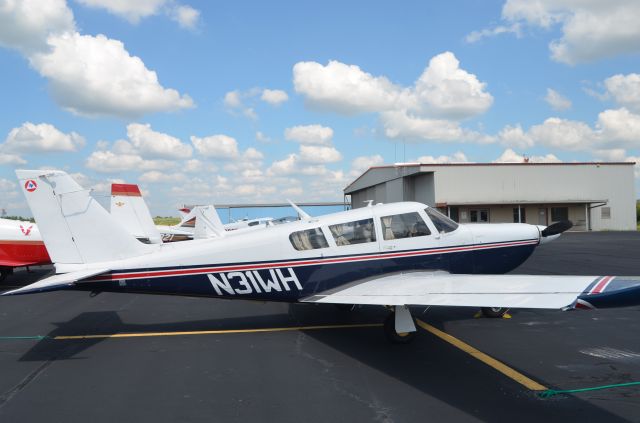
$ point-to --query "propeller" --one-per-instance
(557, 228)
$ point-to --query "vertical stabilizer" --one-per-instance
(208, 224)
(75, 228)
(130, 210)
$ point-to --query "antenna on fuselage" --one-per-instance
(301, 213)
(368, 202)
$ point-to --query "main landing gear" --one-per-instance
(4, 272)
(399, 327)
(494, 312)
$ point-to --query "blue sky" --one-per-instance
(205, 102)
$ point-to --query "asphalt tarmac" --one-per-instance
(207, 363)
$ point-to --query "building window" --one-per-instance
(522, 216)
(479, 216)
(559, 213)
(454, 214)
(407, 225)
(310, 239)
(440, 221)
(350, 233)
(605, 213)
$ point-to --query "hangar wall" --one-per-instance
(600, 195)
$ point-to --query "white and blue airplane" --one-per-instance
(394, 255)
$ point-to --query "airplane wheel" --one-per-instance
(344, 307)
(493, 312)
(4, 272)
(393, 336)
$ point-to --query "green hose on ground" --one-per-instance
(553, 392)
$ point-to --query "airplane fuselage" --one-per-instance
(251, 265)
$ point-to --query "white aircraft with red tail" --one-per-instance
(395, 255)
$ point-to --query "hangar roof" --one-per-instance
(406, 169)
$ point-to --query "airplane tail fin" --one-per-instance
(130, 210)
(208, 223)
(75, 228)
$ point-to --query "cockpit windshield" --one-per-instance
(440, 221)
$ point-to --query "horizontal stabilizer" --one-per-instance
(55, 282)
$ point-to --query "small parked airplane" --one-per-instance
(20, 245)
(393, 255)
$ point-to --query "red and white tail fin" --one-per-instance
(75, 228)
(130, 210)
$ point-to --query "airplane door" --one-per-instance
(403, 235)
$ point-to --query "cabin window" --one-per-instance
(357, 232)
(311, 239)
(559, 213)
(440, 221)
(405, 225)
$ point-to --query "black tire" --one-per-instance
(393, 336)
(494, 312)
(4, 272)
(344, 307)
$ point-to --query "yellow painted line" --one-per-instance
(216, 332)
(490, 361)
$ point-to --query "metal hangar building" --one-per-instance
(594, 196)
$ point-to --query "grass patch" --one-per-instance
(168, 221)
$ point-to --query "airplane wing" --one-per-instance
(56, 281)
(509, 291)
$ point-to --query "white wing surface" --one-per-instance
(55, 282)
(439, 288)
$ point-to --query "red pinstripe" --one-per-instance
(230, 268)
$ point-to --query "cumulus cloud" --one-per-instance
(400, 125)
(274, 97)
(475, 36)
(110, 162)
(362, 163)
(625, 90)
(557, 101)
(244, 102)
(614, 128)
(156, 144)
(294, 165)
(186, 16)
(134, 11)
(11, 159)
(563, 133)
(32, 138)
(344, 88)
(443, 90)
(510, 156)
(309, 134)
(431, 109)
(155, 176)
(216, 146)
(457, 157)
(25, 25)
(96, 76)
(619, 125)
(591, 30)
(319, 154)
(88, 75)
(514, 136)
